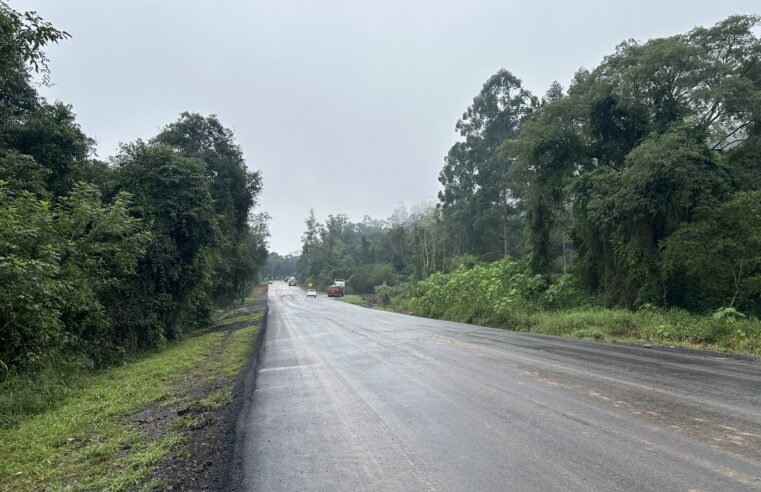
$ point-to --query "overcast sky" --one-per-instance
(345, 106)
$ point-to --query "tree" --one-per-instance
(659, 131)
(22, 39)
(171, 193)
(234, 191)
(476, 199)
(63, 268)
(716, 260)
(51, 136)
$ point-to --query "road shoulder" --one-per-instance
(204, 459)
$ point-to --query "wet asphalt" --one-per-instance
(350, 398)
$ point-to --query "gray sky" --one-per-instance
(346, 106)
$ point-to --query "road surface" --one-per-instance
(349, 398)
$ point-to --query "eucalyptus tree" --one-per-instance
(477, 203)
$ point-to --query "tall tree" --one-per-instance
(234, 191)
(476, 199)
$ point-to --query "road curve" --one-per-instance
(349, 398)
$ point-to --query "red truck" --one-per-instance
(336, 290)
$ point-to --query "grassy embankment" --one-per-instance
(352, 299)
(88, 436)
(647, 326)
(503, 295)
(667, 327)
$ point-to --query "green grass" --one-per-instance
(218, 399)
(357, 300)
(648, 325)
(193, 421)
(255, 294)
(250, 318)
(237, 351)
(671, 327)
(86, 441)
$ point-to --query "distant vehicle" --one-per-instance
(340, 282)
(335, 290)
(291, 281)
(270, 282)
(311, 293)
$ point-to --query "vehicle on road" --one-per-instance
(311, 293)
(335, 290)
(291, 281)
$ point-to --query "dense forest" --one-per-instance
(638, 187)
(100, 259)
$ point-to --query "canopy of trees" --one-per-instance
(99, 259)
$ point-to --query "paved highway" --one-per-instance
(349, 398)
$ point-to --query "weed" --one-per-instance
(193, 421)
(218, 399)
(249, 318)
(357, 300)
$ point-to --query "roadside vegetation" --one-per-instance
(100, 260)
(625, 206)
(356, 300)
(106, 269)
(107, 430)
(503, 294)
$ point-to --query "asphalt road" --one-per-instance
(349, 398)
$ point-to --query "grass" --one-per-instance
(255, 294)
(357, 300)
(672, 327)
(647, 326)
(236, 355)
(248, 318)
(86, 441)
(218, 399)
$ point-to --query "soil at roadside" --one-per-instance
(202, 461)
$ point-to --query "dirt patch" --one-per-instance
(203, 409)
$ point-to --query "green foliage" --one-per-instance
(97, 260)
(718, 256)
(247, 318)
(503, 294)
(655, 138)
(650, 325)
(279, 267)
(728, 315)
(234, 191)
(22, 37)
(51, 136)
(566, 291)
(61, 268)
(399, 295)
(356, 300)
(364, 278)
(480, 211)
(171, 193)
(495, 293)
(407, 244)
